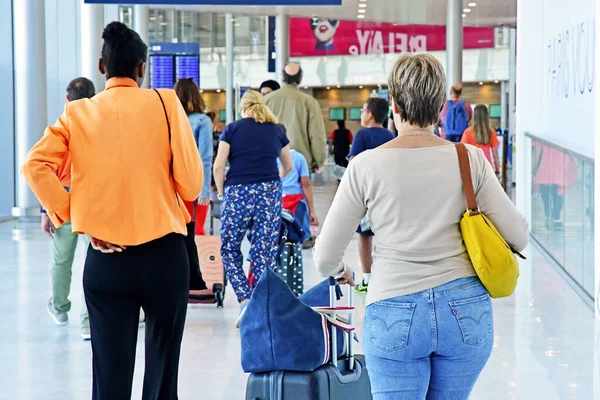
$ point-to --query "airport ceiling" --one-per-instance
(432, 12)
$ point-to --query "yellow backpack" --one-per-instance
(492, 257)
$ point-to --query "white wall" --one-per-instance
(555, 59)
(7, 159)
(63, 36)
(556, 77)
(597, 220)
(479, 65)
(62, 52)
(568, 74)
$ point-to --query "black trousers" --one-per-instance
(155, 277)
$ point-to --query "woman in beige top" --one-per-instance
(428, 324)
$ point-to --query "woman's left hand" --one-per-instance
(314, 220)
(348, 278)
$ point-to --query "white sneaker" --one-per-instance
(86, 333)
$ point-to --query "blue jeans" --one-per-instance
(429, 345)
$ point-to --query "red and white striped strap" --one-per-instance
(334, 310)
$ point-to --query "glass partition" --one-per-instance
(562, 209)
(208, 29)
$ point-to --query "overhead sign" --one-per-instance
(225, 2)
(174, 48)
(319, 37)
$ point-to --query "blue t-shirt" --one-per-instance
(254, 151)
(291, 182)
(369, 138)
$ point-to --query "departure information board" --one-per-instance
(170, 62)
(162, 72)
(187, 66)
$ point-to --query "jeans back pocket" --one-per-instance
(475, 319)
(390, 325)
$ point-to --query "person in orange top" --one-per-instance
(134, 160)
(484, 137)
(64, 240)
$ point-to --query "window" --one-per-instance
(126, 15)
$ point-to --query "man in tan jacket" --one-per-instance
(301, 114)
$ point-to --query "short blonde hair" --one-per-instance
(417, 86)
(253, 104)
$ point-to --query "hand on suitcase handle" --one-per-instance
(347, 278)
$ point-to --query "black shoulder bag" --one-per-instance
(196, 280)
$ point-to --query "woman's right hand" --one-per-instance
(348, 278)
(203, 201)
(105, 247)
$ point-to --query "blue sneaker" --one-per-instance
(238, 321)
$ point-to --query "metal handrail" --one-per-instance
(559, 147)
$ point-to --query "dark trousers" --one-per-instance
(340, 158)
(155, 277)
(553, 202)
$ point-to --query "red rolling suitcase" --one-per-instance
(211, 265)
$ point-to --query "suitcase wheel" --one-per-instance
(219, 292)
(219, 298)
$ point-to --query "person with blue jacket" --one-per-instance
(194, 106)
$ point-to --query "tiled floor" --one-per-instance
(545, 347)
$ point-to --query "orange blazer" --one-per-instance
(122, 188)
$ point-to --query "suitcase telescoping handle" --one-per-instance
(212, 217)
(332, 304)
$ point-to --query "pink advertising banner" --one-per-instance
(318, 37)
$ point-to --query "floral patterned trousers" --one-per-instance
(255, 208)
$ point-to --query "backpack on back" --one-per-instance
(457, 120)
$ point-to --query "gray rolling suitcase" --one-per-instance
(342, 379)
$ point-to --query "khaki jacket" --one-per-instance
(301, 114)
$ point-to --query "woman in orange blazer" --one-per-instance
(129, 177)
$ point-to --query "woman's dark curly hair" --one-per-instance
(123, 51)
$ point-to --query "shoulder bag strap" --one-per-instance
(465, 173)
(171, 166)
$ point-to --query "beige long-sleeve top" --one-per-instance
(415, 201)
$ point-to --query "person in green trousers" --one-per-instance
(65, 241)
(65, 244)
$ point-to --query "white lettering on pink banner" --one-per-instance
(372, 42)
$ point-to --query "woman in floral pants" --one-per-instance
(252, 191)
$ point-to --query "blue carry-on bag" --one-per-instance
(292, 371)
